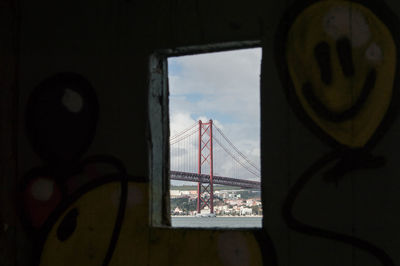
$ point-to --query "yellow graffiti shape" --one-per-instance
(342, 61)
(86, 229)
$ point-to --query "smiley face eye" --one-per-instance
(322, 54)
(323, 57)
(68, 225)
(343, 48)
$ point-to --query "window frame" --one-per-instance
(158, 123)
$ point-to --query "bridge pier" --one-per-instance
(205, 157)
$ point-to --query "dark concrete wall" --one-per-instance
(8, 130)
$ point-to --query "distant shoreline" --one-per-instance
(218, 216)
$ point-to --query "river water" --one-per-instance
(230, 222)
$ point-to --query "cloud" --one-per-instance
(179, 121)
(227, 81)
(220, 86)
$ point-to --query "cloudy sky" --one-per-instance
(221, 86)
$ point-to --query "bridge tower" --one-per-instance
(205, 159)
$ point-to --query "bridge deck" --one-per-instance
(220, 180)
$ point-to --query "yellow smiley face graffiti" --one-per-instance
(82, 234)
(341, 59)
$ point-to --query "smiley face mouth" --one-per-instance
(322, 56)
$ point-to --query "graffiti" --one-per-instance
(90, 211)
(93, 228)
(339, 66)
(61, 117)
(62, 114)
(346, 89)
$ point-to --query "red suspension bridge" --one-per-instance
(203, 154)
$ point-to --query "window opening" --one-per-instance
(214, 144)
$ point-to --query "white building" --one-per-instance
(246, 211)
(175, 193)
(178, 211)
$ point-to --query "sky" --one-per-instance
(224, 87)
